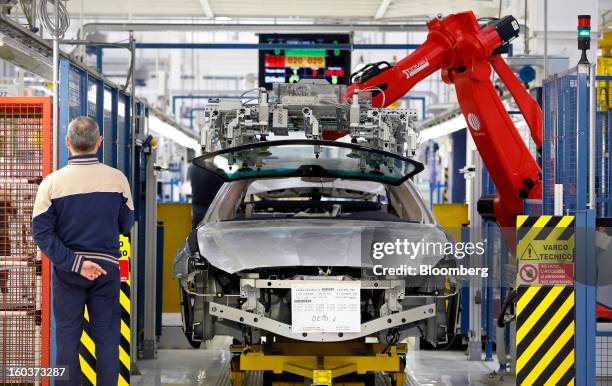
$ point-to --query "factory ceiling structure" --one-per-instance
(364, 10)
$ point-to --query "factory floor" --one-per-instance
(209, 367)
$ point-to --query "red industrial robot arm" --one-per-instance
(466, 55)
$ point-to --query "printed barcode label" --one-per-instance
(326, 309)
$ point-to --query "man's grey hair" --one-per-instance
(83, 134)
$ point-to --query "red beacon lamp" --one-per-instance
(584, 36)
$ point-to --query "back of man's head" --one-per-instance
(83, 134)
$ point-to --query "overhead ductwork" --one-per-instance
(89, 28)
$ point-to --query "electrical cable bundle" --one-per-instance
(57, 31)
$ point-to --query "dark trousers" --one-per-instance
(71, 292)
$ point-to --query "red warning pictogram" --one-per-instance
(528, 273)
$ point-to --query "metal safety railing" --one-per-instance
(603, 353)
(603, 357)
(604, 155)
(83, 94)
(576, 168)
(25, 158)
(560, 156)
(559, 165)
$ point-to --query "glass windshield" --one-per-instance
(309, 158)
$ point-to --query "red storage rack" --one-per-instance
(25, 158)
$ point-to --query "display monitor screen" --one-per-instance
(290, 65)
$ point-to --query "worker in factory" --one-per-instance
(79, 212)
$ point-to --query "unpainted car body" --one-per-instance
(262, 236)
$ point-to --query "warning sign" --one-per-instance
(545, 308)
(546, 274)
(545, 250)
(545, 239)
(124, 270)
(124, 259)
(528, 274)
(556, 273)
(530, 254)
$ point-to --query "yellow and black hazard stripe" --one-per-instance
(545, 335)
(87, 354)
(445, 191)
(87, 349)
(124, 339)
(545, 228)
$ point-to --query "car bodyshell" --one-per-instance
(244, 253)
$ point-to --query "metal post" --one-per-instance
(132, 166)
(114, 127)
(490, 230)
(592, 138)
(134, 299)
(150, 255)
(545, 39)
(55, 90)
(63, 113)
(132, 170)
(527, 30)
(34, 15)
(431, 164)
(607, 117)
(512, 345)
(582, 143)
(475, 290)
(133, 87)
(100, 114)
(488, 188)
(99, 57)
(558, 200)
(585, 259)
(133, 128)
(586, 297)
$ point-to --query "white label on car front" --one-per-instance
(328, 307)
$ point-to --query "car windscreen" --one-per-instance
(309, 158)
